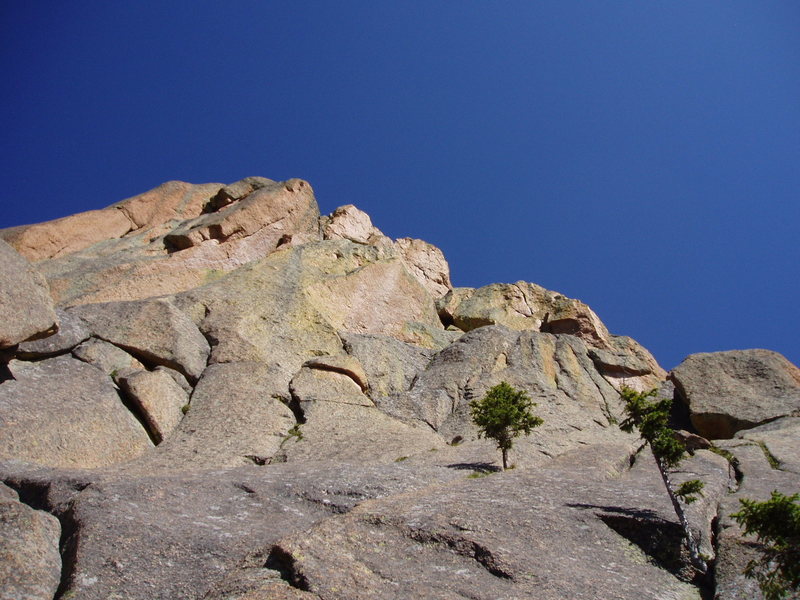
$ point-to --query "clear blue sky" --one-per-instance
(642, 156)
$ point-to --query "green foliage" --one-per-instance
(687, 490)
(295, 432)
(185, 408)
(503, 414)
(773, 462)
(400, 458)
(651, 418)
(776, 524)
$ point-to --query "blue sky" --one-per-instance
(641, 156)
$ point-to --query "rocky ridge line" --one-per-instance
(248, 399)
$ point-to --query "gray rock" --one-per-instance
(154, 331)
(236, 416)
(62, 412)
(494, 537)
(26, 309)
(730, 391)
(181, 535)
(105, 356)
(390, 365)
(577, 404)
(30, 564)
(71, 332)
(348, 432)
(157, 398)
(314, 385)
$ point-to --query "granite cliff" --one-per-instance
(214, 392)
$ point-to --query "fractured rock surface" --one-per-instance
(248, 400)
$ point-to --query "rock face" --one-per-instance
(62, 412)
(730, 391)
(26, 310)
(247, 399)
(30, 564)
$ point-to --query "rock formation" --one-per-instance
(214, 392)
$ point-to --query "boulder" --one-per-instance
(64, 413)
(157, 399)
(726, 392)
(315, 385)
(427, 264)
(350, 223)
(155, 331)
(106, 357)
(71, 332)
(30, 563)
(26, 309)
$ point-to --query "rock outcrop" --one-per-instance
(726, 392)
(26, 310)
(247, 399)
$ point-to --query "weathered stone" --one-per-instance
(781, 438)
(489, 538)
(236, 191)
(350, 223)
(272, 213)
(155, 331)
(71, 332)
(290, 306)
(628, 364)
(62, 412)
(314, 385)
(730, 391)
(106, 357)
(341, 363)
(157, 398)
(236, 416)
(137, 261)
(526, 306)
(446, 305)
(30, 564)
(577, 404)
(178, 535)
(427, 263)
(390, 365)
(346, 432)
(758, 478)
(26, 309)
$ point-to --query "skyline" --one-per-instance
(640, 158)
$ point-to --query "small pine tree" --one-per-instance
(651, 419)
(776, 524)
(503, 414)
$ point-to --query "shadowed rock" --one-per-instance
(30, 565)
(730, 391)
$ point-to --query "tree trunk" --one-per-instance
(694, 554)
(505, 459)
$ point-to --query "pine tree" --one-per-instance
(503, 414)
(651, 419)
(776, 524)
